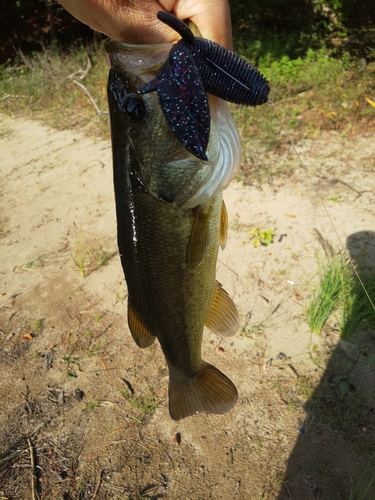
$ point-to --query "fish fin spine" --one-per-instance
(208, 391)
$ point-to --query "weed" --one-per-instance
(335, 281)
(258, 328)
(364, 487)
(92, 405)
(257, 442)
(42, 84)
(72, 365)
(248, 331)
(260, 237)
(339, 288)
(305, 387)
(37, 325)
(95, 349)
(88, 255)
(142, 405)
(357, 311)
(36, 262)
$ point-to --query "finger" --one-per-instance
(212, 17)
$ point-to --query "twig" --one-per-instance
(327, 247)
(24, 59)
(81, 72)
(97, 486)
(6, 96)
(31, 451)
(91, 98)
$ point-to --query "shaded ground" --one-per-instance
(84, 411)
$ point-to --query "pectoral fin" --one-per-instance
(223, 226)
(199, 237)
(223, 316)
(142, 337)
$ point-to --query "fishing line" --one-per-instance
(323, 204)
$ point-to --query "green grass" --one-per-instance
(364, 487)
(339, 290)
(37, 325)
(88, 255)
(142, 405)
(42, 86)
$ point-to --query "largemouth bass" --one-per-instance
(171, 220)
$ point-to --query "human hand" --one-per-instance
(135, 21)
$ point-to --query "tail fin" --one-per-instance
(208, 391)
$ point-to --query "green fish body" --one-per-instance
(171, 221)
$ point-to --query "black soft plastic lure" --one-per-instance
(196, 66)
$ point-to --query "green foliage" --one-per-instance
(272, 29)
(357, 310)
(42, 85)
(340, 289)
(335, 280)
(37, 325)
(260, 237)
(316, 66)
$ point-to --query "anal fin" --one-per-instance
(207, 391)
(222, 318)
(142, 337)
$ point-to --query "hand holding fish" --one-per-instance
(135, 21)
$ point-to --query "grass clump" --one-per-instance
(335, 281)
(364, 487)
(339, 289)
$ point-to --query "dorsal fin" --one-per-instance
(222, 318)
(142, 337)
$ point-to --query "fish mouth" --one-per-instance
(142, 60)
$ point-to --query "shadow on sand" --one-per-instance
(334, 457)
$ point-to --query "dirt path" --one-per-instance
(92, 407)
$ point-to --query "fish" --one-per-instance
(171, 221)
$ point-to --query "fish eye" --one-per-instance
(134, 107)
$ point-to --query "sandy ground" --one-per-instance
(84, 411)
